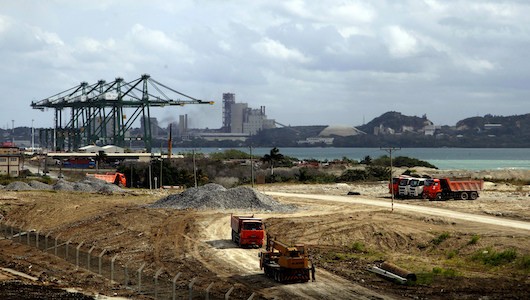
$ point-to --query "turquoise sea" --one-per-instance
(443, 158)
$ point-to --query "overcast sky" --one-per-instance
(333, 62)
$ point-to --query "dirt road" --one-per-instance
(244, 263)
(413, 208)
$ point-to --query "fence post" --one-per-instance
(99, 260)
(27, 236)
(77, 254)
(227, 295)
(56, 238)
(112, 268)
(37, 239)
(89, 255)
(67, 248)
(191, 288)
(208, 291)
(156, 281)
(175, 285)
(139, 274)
(126, 269)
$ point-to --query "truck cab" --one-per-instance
(404, 187)
(416, 187)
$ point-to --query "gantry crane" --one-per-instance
(97, 111)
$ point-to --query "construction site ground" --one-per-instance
(447, 247)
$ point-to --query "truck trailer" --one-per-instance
(116, 178)
(444, 189)
(247, 231)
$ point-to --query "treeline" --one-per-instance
(233, 167)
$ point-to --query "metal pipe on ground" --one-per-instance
(390, 267)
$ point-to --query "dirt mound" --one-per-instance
(18, 186)
(215, 196)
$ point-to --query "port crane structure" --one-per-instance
(95, 113)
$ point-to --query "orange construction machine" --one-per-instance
(444, 188)
(285, 263)
(247, 230)
(117, 178)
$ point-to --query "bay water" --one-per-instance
(443, 158)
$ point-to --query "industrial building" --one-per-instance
(239, 118)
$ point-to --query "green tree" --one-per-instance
(272, 157)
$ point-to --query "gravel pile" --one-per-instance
(40, 185)
(214, 196)
(88, 185)
(63, 185)
(18, 186)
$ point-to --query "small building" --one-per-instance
(10, 158)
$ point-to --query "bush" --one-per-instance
(494, 258)
(442, 237)
(474, 240)
(353, 175)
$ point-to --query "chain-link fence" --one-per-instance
(137, 277)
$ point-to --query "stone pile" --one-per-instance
(88, 185)
(215, 196)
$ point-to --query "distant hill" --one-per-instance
(394, 122)
(518, 124)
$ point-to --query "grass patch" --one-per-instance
(340, 256)
(474, 240)
(439, 239)
(451, 254)
(491, 257)
(525, 262)
(358, 247)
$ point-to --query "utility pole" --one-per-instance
(32, 137)
(389, 150)
(13, 132)
(194, 168)
(161, 168)
(251, 167)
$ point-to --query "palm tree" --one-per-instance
(274, 156)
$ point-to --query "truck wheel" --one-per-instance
(438, 197)
(473, 196)
(464, 196)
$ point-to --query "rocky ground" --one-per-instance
(453, 257)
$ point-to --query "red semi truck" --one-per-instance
(444, 188)
(247, 231)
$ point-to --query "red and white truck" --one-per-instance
(444, 189)
(394, 186)
(247, 231)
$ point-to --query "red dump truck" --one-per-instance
(444, 189)
(247, 231)
(117, 178)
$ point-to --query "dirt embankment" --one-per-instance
(451, 256)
